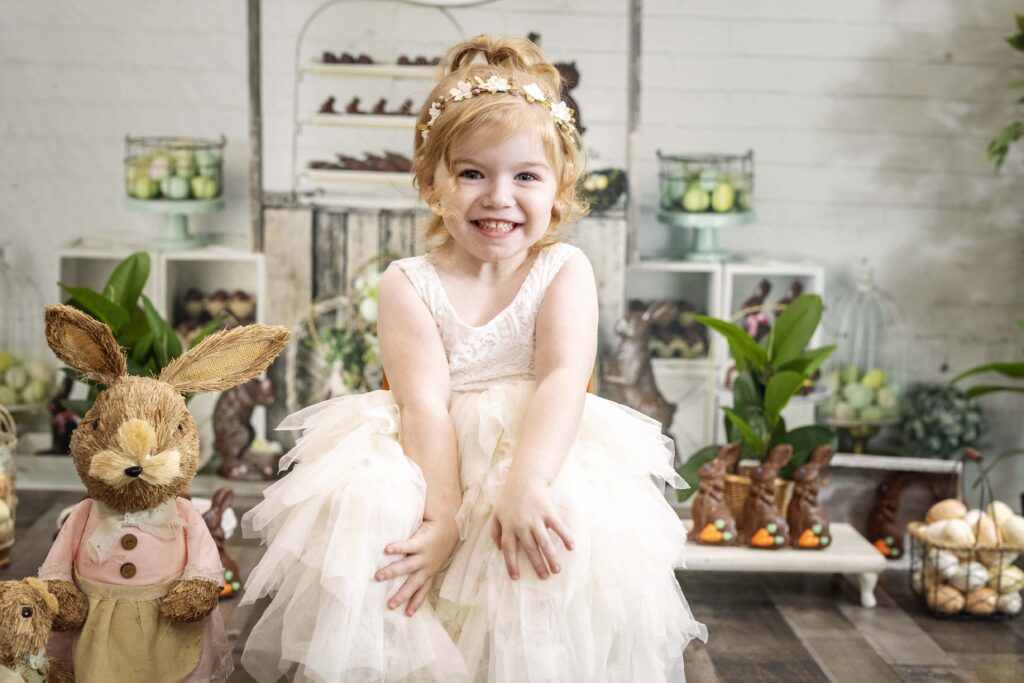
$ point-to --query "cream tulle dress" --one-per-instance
(614, 613)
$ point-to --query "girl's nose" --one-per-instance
(498, 195)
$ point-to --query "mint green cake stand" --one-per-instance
(705, 226)
(174, 234)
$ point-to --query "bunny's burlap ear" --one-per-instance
(47, 596)
(226, 359)
(85, 344)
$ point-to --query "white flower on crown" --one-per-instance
(493, 84)
(534, 93)
(463, 90)
(434, 112)
(561, 113)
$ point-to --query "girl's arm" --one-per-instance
(417, 371)
(565, 348)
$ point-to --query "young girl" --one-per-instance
(486, 519)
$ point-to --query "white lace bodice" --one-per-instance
(502, 348)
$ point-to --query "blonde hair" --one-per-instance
(520, 61)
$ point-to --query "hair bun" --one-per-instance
(505, 53)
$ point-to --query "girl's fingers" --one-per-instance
(406, 565)
(408, 589)
(547, 548)
(496, 532)
(509, 549)
(534, 555)
(418, 597)
(554, 522)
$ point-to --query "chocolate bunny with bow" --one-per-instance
(713, 523)
(808, 523)
(763, 525)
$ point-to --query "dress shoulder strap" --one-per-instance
(551, 261)
(419, 272)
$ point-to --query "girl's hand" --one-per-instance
(522, 517)
(425, 552)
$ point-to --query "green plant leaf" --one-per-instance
(745, 351)
(142, 348)
(795, 327)
(210, 328)
(1020, 22)
(166, 346)
(690, 470)
(93, 303)
(78, 406)
(1000, 146)
(1016, 42)
(808, 362)
(126, 282)
(750, 435)
(999, 458)
(745, 392)
(975, 392)
(781, 387)
(1015, 370)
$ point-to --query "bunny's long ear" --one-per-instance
(85, 344)
(226, 359)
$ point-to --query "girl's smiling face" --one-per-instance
(504, 192)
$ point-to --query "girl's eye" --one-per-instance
(471, 174)
(526, 176)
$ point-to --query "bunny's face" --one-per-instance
(137, 446)
(26, 615)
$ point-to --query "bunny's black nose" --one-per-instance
(133, 471)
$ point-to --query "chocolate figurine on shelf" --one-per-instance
(884, 532)
(756, 322)
(63, 421)
(353, 107)
(808, 523)
(328, 57)
(328, 106)
(399, 162)
(380, 109)
(214, 517)
(763, 526)
(713, 523)
(233, 431)
(570, 79)
(241, 305)
(627, 375)
(405, 109)
(796, 288)
(353, 164)
(364, 59)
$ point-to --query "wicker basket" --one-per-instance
(737, 486)
(8, 499)
(966, 582)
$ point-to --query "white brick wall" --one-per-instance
(868, 119)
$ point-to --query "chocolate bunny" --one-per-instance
(808, 523)
(627, 373)
(713, 523)
(884, 532)
(134, 568)
(763, 525)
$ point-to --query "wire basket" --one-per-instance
(8, 498)
(976, 581)
(174, 168)
(706, 183)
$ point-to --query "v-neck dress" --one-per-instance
(615, 611)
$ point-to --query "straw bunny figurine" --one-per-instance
(763, 525)
(808, 523)
(134, 567)
(713, 523)
(27, 610)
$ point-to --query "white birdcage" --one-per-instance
(26, 372)
(867, 371)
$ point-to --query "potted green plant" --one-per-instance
(1000, 145)
(769, 374)
(148, 340)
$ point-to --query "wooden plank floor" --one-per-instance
(764, 627)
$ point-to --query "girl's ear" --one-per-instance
(85, 344)
(226, 359)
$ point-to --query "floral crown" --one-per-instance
(561, 113)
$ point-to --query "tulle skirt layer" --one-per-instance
(614, 613)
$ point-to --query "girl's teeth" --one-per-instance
(496, 226)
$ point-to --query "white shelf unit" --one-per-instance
(719, 289)
(396, 82)
(172, 274)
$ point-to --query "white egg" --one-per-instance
(1009, 603)
(1008, 580)
(936, 530)
(1012, 531)
(957, 532)
(1001, 560)
(942, 562)
(969, 576)
(1000, 510)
